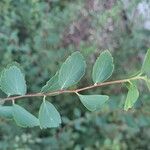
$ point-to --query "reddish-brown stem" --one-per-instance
(70, 91)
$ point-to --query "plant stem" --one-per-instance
(75, 90)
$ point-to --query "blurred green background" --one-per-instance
(41, 34)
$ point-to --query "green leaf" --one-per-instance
(146, 64)
(12, 81)
(51, 85)
(93, 102)
(6, 112)
(132, 96)
(23, 118)
(103, 67)
(72, 70)
(48, 115)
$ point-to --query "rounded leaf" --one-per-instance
(49, 117)
(132, 96)
(23, 118)
(12, 81)
(103, 67)
(93, 102)
(72, 70)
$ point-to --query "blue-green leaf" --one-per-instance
(132, 96)
(48, 115)
(93, 102)
(6, 112)
(103, 67)
(72, 70)
(146, 64)
(12, 81)
(23, 118)
(51, 85)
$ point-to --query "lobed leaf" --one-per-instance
(6, 112)
(12, 81)
(146, 64)
(72, 70)
(103, 67)
(51, 85)
(49, 117)
(93, 102)
(23, 118)
(132, 96)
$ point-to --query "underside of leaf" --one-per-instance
(93, 102)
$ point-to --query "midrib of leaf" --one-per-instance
(16, 86)
(11, 81)
(47, 112)
(15, 83)
(67, 79)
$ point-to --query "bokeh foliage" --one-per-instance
(41, 34)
